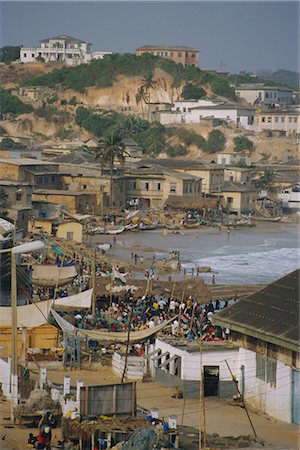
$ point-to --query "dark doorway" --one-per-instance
(211, 381)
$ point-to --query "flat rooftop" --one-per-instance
(194, 346)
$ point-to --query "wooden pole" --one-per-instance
(59, 274)
(242, 398)
(180, 308)
(192, 318)
(127, 346)
(203, 399)
(200, 397)
(14, 335)
(93, 261)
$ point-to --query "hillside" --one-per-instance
(54, 113)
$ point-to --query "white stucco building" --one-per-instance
(197, 111)
(265, 325)
(62, 48)
(290, 198)
(265, 96)
(175, 362)
(285, 121)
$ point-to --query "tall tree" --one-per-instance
(110, 150)
(142, 98)
(148, 85)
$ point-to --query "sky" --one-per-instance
(232, 36)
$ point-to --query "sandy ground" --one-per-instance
(222, 416)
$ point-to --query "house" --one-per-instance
(19, 200)
(88, 178)
(187, 56)
(238, 198)
(265, 96)
(73, 201)
(24, 169)
(151, 186)
(290, 198)
(226, 158)
(265, 325)
(284, 121)
(62, 48)
(67, 229)
(176, 362)
(212, 174)
(237, 174)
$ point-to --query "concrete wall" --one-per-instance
(273, 400)
(70, 227)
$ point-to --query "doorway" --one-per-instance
(211, 381)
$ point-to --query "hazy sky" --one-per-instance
(240, 35)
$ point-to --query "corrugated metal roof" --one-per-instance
(271, 312)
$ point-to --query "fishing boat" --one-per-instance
(115, 231)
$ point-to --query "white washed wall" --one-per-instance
(275, 401)
(5, 377)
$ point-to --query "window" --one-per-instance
(52, 178)
(269, 119)
(158, 186)
(32, 54)
(248, 200)
(166, 53)
(275, 94)
(271, 371)
(18, 197)
(171, 54)
(271, 95)
(146, 186)
(186, 55)
(267, 95)
(290, 119)
(260, 367)
(132, 184)
(25, 55)
(84, 186)
(70, 235)
(179, 54)
(231, 178)
(276, 119)
(295, 119)
(193, 55)
(282, 119)
(263, 119)
(229, 199)
(45, 181)
(172, 187)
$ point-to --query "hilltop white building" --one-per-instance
(62, 48)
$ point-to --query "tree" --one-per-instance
(148, 85)
(142, 97)
(192, 92)
(241, 143)
(215, 142)
(10, 144)
(11, 104)
(9, 53)
(109, 150)
(4, 204)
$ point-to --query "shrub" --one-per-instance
(192, 92)
(8, 143)
(73, 101)
(177, 150)
(221, 87)
(9, 53)
(215, 142)
(241, 143)
(189, 137)
(11, 104)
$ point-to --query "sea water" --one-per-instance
(256, 255)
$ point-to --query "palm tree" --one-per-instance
(109, 150)
(148, 84)
(142, 97)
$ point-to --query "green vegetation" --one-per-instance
(241, 143)
(11, 104)
(64, 134)
(278, 78)
(177, 150)
(2, 131)
(50, 113)
(4, 204)
(10, 144)
(189, 137)
(103, 73)
(152, 140)
(73, 101)
(221, 87)
(215, 142)
(9, 53)
(192, 92)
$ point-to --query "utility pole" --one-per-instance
(124, 376)
(93, 282)
(241, 397)
(14, 335)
